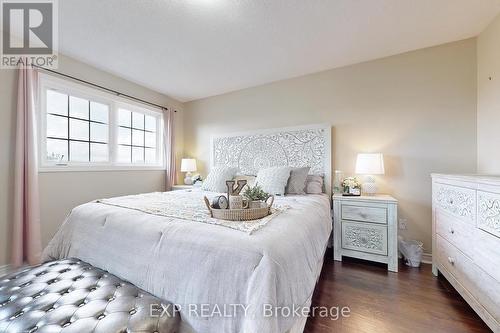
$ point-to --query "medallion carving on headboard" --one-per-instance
(294, 147)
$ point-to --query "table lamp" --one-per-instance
(188, 165)
(370, 165)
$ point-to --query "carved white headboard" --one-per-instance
(291, 146)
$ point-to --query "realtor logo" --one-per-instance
(29, 33)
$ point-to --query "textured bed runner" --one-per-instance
(187, 205)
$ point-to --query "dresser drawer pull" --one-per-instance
(451, 260)
(451, 230)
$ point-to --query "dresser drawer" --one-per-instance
(457, 232)
(364, 213)
(364, 237)
(458, 201)
(476, 244)
(488, 218)
(478, 283)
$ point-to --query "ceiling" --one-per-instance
(191, 49)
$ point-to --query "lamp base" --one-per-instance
(369, 187)
(188, 180)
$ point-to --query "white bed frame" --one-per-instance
(290, 146)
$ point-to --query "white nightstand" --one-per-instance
(181, 187)
(365, 227)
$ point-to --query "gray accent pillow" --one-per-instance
(314, 184)
(297, 181)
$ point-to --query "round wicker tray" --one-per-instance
(247, 214)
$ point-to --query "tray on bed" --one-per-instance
(247, 214)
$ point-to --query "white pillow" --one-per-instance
(216, 179)
(273, 180)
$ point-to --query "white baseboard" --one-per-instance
(4, 270)
(427, 258)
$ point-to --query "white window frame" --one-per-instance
(48, 82)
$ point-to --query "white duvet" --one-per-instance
(212, 272)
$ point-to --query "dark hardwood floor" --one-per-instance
(412, 300)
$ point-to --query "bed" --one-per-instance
(221, 279)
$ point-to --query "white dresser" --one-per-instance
(466, 239)
(365, 227)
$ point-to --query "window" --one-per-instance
(88, 129)
(136, 137)
(77, 129)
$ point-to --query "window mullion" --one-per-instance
(144, 140)
(90, 159)
(69, 126)
(113, 134)
(159, 141)
(131, 137)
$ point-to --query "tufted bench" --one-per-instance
(73, 296)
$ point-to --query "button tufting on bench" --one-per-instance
(17, 315)
(22, 292)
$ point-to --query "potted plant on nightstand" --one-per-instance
(256, 196)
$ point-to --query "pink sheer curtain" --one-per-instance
(26, 242)
(168, 134)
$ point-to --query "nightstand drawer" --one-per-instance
(365, 237)
(364, 213)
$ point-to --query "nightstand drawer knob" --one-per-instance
(451, 230)
(451, 260)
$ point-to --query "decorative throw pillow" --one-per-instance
(273, 180)
(297, 181)
(314, 184)
(216, 179)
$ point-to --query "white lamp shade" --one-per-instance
(188, 165)
(370, 164)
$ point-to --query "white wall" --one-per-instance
(418, 108)
(488, 99)
(61, 191)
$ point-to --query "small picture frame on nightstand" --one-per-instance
(352, 192)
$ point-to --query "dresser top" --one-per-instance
(371, 198)
(476, 178)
